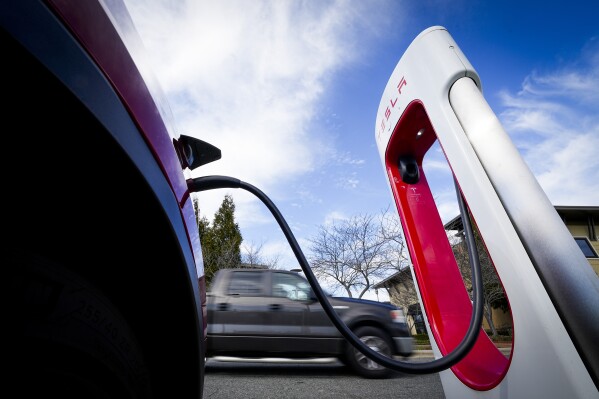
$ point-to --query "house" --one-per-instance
(582, 222)
(402, 293)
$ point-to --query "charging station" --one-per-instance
(435, 95)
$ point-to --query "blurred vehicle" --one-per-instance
(257, 313)
(103, 282)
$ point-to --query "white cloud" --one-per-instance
(247, 76)
(346, 159)
(350, 183)
(553, 121)
(334, 217)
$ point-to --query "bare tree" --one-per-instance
(357, 252)
(494, 294)
(392, 231)
(252, 256)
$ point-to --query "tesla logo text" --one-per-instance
(414, 197)
(391, 106)
(401, 84)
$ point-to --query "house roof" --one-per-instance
(454, 224)
(392, 279)
(577, 211)
(565, 211)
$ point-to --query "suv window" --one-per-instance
(245, 283)
(290, 286)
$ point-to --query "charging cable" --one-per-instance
(215, 182)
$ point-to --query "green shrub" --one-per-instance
(421, 339)
(502, 338)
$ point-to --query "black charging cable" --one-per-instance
(215, 182)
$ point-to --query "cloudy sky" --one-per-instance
(289, 91)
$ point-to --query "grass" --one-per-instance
(421, 341)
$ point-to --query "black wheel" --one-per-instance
(65, 338)
(377, 340)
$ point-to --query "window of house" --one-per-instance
(586, 247)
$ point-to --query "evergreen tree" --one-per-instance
(220, 240)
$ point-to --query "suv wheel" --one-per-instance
(375, 339)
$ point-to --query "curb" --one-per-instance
(428, 353)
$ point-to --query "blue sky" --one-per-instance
(289, 91)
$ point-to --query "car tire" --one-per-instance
(377, 340)
(66, 339)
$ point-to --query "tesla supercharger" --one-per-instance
(434, 95)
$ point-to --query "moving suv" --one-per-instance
(257, 313)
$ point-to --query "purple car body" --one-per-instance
(103, 267)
